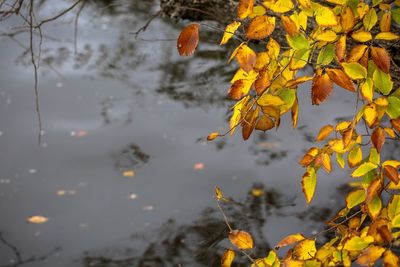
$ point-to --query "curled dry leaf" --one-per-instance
(241, 239)
(381, 58)
(378, 138)
(321, 88)
(260, 27)
(188, 40)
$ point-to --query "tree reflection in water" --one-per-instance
(203, 242)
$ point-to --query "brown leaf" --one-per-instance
(340, 48)
(188, 40)
(373, 189)
(249, 123)
(245, 8)
(370, 255)
(378, 138)
(241, 239)
(356, 53)
(395, 124)
(321, 88)
(265, 123)
(246, 58)
(289, 25)
(347, 19)
(262, 82)
(385, 22)
(236, 92)
(260, 27)
(381, 58)
(391, 173)
(289, 240)
(341, 79)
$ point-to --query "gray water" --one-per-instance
(125, 104)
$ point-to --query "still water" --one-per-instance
(123, 173)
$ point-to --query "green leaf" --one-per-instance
(355, 70)
(393, 110)
(326, 54)
(394, 206)
(298, 42)
(376, 2)
(374, 156)
(288, 96)
(382, 81)
(355, 197)
(364, 169)
(396, 15)
(309, 182)
(370, 19)
(396, 221)
(300, 59)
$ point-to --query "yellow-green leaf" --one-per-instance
(357, 243)
(354, 198)
(364, 169)
(374, 206)
(370, 19)
(355, 156)
(230, 31)
(309, 182)
(382, 81)
(355, 70)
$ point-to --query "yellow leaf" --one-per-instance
(289, 240)
(324, 132)
(325, 17)
(390, 259)
(37, 219)
(362, 36)
(270, 100)
(367, 89)
(396, 221)
(241, 239)
(246, 58)
(370, 255)
(273, 48)
(374, 206)
(388, 36)
(340, 160)
(347, 20)
(245, 8)
(282, 6)
(305, 249)
(355, 71)
(237, 112)
(227, 258)
(295, 113)
(356, 243)
(393, 207)
(370, 115)
(326, 163)
(260, 27)
(297, 81)
(230, 31)
(370, 19)
(354, 198)
(364, 169)
(385, 22)
(212, 136)
(234, 53)
(355, 156)
(309, 182)
(262, 60)
(356, 53)
(327, 36)
(258, 11)
(129, 173)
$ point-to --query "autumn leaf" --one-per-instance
(305, 249)
(264, 123)
(370, 255)
(385, 21)
(227, 258)
(188, 40)
(212, 136)
(249, 123)
(246, 58)
(395, 124)
(390, 259)
(367, 89)
(245, 8)
(321, 88)
(354, 70)
(309, 182)
(324, 132)
(262, 82)
(362, 36)
(340, 48)
(341, 79)
(391, 173)
(354, 198)
(370, 19)
(260, 27)
(289, 25)
(241, 239)
(387, 36)
(371, 115)
(381, 58)
(378, 138)
(356, 53)
(355, 156)
(289, 240)
(347, 20)
(38, 219)
(356, 243)
(230, 31)
(325, 17)
(364, 169)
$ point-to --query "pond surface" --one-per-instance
(123, 173)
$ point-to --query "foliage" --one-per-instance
(345, 42)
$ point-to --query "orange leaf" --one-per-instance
(227, 258)
(245, 8)
(391, 173)
(356, 53)
(370, 255)
(295, 113)
(347, 19)
(241, 239)
(381, 58)
(249, 123)
(385, 22)
(395, 124)
(378, 138)
(390, 259)
(262, 82)
(289, 240)
(260, 27)
(188, 40)
(341, 79)
(37, 219)
(324, 132)
(212, 136)
(340, 48)
(289, 25)
(321, 88)
(373, 189)
(246, 58)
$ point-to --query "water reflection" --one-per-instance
(130, 157)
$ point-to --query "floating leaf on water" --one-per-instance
(128, 173)
(198, 166)
(38, 219)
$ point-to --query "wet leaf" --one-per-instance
(354, 198)
(245, 8)
(370, 255)
(309, 182)
(241, 239)
(260, 27)
(188, 40)
(230, 31)
(38, 219)
(324, 132)
(378, 138)
(227, 258)
(212, 136)
(391, 173)
(381, 58)
(364, 169)
(341, 79)
(321, 88)
(289, 240)
(354, 70)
